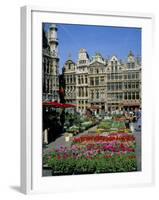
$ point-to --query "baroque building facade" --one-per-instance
(97, 84)
(50, 65)
(70, 81)
(103, 85)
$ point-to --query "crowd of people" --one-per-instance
(133, 119)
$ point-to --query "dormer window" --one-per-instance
(131, 65)
(82, 61)
(91, 70)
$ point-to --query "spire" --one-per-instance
(52, 39)
(131, 57)
(130, 54)
(83, 57)
(53, 26)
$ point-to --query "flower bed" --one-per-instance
(123, 137)
(94, 154)
(112, 126)
(105, 124)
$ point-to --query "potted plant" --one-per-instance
(67, 137)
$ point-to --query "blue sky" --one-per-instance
(104, 39)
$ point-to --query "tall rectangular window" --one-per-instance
(125, 95)
(91, 81)
(133, 95)
(102, 78)
(133, 76)
(129, 85)
(97, 81)
(92, 94)
(137, 85)
(137, 75)
(108, 87)
(137, 95)
(133, 85)
(129, 75)
(97, 94)
(86, 79)
(129, 95)
(120, 86)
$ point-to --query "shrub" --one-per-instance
(118, 125)
(87, 124)
(106, 124)
(62, 167)
(73, 129)
(122, 163)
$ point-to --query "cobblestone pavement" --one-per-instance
(61, 140)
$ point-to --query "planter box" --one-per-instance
(67, 138)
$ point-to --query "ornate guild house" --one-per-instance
(103, 85)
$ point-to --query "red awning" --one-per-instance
(53, 104)
(69, 105)
(58, 105)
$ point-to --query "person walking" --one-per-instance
(127, 120)
(138, 120)
(131, 124)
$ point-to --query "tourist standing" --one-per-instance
(138, 119)
(131, 119)
(127, 120)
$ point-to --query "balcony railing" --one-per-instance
(49, 53)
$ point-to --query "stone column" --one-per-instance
(45, 136)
